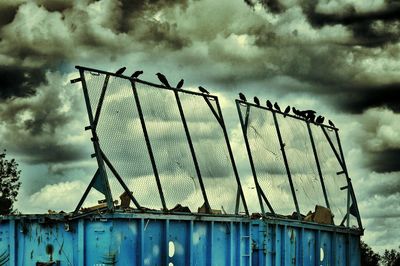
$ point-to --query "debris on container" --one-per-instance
(97, 207)
(179, 208)
(203, 209)
(125, 200)
(321, 215)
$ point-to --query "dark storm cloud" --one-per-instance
(386, 161)
(273, 5)
(364, 25)
(36, 127)
(371, 28)
(7, 12)
(137, 18)
(20, 81)
(358, 99)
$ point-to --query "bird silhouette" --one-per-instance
(120, 71)
(295, 111)
(137, 74)
(277, 107)
(202, 90)
(331, 123)
(320, 119)
(287, 110)
(180, 84)
(163, 80)
(269, 104)
(242, 97)
(310, 117)
(256, 101)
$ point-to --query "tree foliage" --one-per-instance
(9, 183)
(368, 256)
(391, 257)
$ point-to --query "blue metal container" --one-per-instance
(159, 239)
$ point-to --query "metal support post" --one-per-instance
(102, 170)
(278, 132)
(148, 144)
(350, 188)
(318, 165)
(191, 147)
(232, 158)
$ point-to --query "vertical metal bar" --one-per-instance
(351, 190)
(231, 244)
(317, 248)
(101, 100)
(190, 243)
(148, 144)
(165, 253)
(284, 251)
(278, 132)
(192, 151)
(253, 169)
(303, 246)
(141, 243)
(96, 144)
(211, 244)
(232, 158)
(81, 242)
(334, 248)
(12, 242)
(321, 179)
(240, 257)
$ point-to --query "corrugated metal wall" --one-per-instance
(151, 239)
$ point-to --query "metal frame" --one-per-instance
(351, 209)
(260, 193)
(102, 160)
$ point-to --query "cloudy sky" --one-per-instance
(338, 57)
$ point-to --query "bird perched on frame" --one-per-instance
(331, 123)
(136, 74)
(320, 119)
(203, 90)
(163, 80)
(256, 101)
(180, 84)
(287, 110)
(277, 107)
(242, 97)
(120, 71)
(269, 104)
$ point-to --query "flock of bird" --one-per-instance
(308, 115)
(161, 78)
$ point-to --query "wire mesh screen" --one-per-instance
(211, 152)
(330, 167)
(268, 159)
(121, 139)
(121, 121)
(302, 164)
(171, 150)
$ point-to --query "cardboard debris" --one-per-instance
(97, 207)
(125, 200)
(180, 208)
(203, 209)
(321, 215)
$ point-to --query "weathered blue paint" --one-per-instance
(159, 239)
